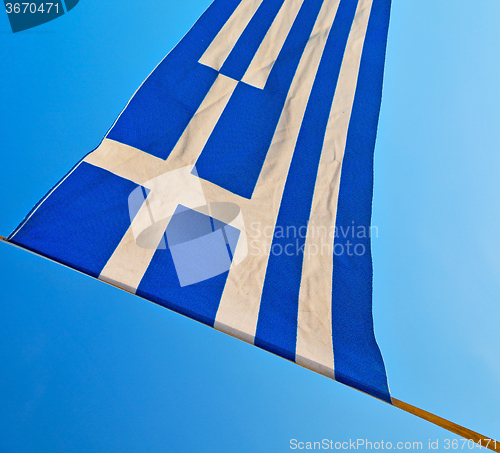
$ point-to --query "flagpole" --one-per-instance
(484, 441)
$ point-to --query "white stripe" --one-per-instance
(314, 334)
(195, 136)
(263, 61)
(223, 43)
(239, 307)
(126, 161)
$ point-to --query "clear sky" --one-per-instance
(88, 368)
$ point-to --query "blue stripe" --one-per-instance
(80, 229)
(245, 48)
(358, 361)
(236, 150)
(161, 284)
(161, 109)
(277, 324)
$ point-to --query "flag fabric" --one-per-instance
(236, 186)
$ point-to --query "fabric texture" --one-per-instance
(236, 186)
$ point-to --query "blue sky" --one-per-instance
(86, 367)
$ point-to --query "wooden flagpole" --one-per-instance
(479, 439)
(484, 441)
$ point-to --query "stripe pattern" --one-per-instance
(236, 186)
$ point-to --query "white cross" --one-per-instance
(169, 187)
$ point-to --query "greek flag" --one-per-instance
(236, 186)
